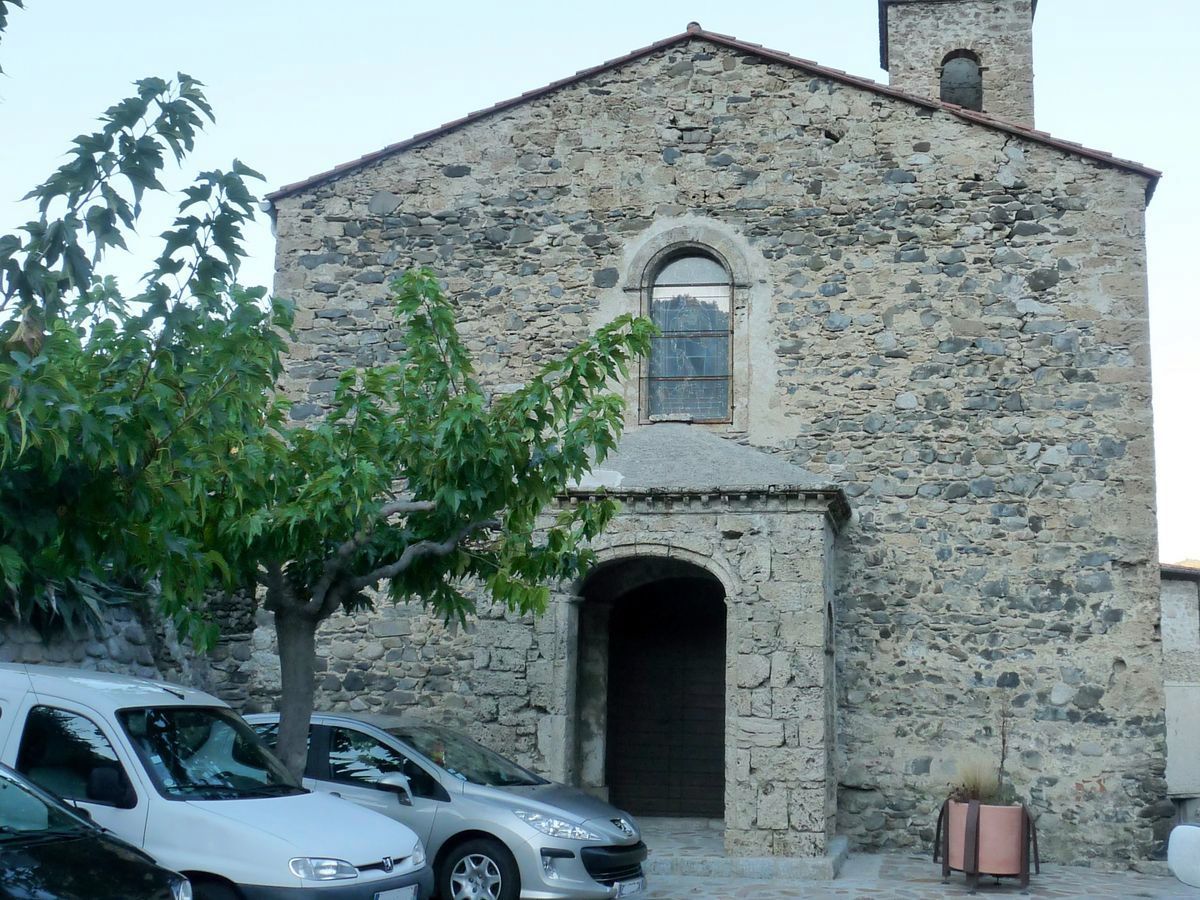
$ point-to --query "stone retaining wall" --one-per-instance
(131, 641)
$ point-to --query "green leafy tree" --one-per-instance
(142, 444)
(110, 404)
(418, 483)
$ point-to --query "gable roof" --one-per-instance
(883, 24)
(695, 33)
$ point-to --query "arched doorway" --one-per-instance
(651, 687)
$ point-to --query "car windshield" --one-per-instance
(205, 753)
(24, 816)
(463, 758)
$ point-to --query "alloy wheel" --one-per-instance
(476, 877)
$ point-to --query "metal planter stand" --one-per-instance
(941, 847)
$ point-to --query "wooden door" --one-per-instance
(666, 700)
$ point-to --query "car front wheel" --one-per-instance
(480, 870)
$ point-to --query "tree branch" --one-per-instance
(405, 506)
(419, 550)
(333, 565)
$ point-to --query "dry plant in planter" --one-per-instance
(983, 829)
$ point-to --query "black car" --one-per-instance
(48, 851)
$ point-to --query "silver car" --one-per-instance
(493, 830)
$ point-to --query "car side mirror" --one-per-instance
(397, 783)
(106, 784)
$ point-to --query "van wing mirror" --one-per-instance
(397, 783)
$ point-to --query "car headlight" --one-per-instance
(555, 828)
(315, 868)
(181, 888)
(418, 855)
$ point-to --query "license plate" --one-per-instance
(629, 888)
(404, 893)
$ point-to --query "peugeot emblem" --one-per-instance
(625, 827)
(388, 865)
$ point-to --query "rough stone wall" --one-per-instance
(482, 676)
(137, 642)
(948, 321)
(123, 644)
(1181, 665)
(1000, 32)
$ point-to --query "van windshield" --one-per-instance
(204, 753)
(463, 758)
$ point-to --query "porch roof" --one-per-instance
(671, 457)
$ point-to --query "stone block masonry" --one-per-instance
(945, 320)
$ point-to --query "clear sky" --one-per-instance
(300, 86)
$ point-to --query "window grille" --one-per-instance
(690, 367)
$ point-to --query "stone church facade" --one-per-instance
(888, 477)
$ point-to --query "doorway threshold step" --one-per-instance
(716, 865)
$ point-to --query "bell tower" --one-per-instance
(975, 53)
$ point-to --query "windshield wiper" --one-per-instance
(274, 790)
(209, 791)
(9, 834)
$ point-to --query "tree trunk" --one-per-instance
(296, 635)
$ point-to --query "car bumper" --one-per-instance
(363, 890)
(578, 872)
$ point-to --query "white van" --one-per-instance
(179, 774)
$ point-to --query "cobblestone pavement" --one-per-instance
(908, 877)
(893, 876)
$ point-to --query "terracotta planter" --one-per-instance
(1001, 830)
(980, 839)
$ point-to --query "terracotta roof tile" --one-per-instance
(732, 43)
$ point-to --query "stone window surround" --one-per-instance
(962, 53)
(671, 238)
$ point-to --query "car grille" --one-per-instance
(380, 866)
(609, 865)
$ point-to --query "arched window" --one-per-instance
(962, 80)
(690, 364)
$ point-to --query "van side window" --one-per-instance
(357, 757)
(68, 755)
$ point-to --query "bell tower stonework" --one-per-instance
(976, 53)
